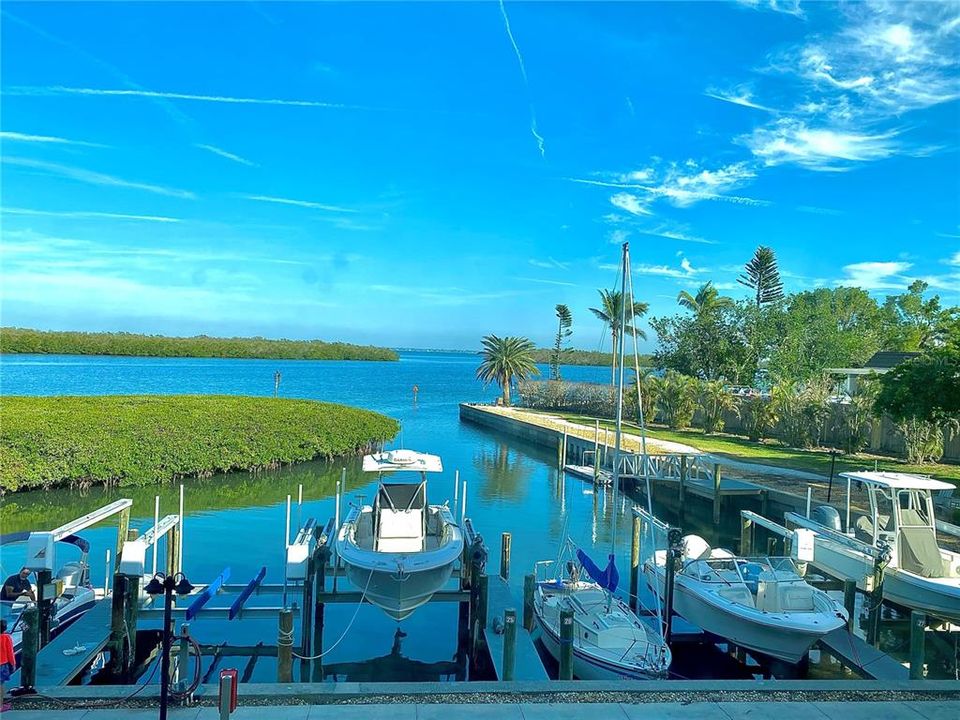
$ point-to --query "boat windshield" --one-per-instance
(747, 571)
(11, 612)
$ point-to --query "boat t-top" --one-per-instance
(400, 550)
(899, 531)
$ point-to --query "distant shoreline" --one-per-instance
(24, 341)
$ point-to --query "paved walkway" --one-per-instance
(528, 711)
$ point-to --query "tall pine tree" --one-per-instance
(564, 322)
(762, 276)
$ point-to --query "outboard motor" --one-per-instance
(827, 516)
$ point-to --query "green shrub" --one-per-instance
(140, 439)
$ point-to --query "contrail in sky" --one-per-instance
(526, 83)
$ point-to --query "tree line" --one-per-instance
(766, 359)
(22, 340)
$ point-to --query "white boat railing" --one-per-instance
(667, 466)
(840, 538)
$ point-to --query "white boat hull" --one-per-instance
(400, 582)
(779, 635)
(937, 596)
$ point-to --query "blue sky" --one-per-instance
(423, 174)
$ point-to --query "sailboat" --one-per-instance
(400, 550)
(609, 640)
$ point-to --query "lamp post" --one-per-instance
(166, 585)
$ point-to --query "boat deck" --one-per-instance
(528, 663)
(91, 632)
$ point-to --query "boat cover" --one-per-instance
(919, 552)
(608, 578)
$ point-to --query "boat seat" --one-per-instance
(400, 531)
(796, 597)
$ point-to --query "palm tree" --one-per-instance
(611, 312)
(706, 302)
(677, 398)
(504, 360)
(716, 400)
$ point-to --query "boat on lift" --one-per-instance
(78, 595)
(761, 604)
(400, 550)
(900, 533)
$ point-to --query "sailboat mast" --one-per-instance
(619, 421)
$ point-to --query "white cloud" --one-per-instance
(955, 260)
(817, 148)
(300, 203)
(546, 282)
(629, 203)
(787, 7)
(740, 95)
(618, 236)
(818, 210)
(228, 155)
(876, 275)
(152, 94)
(549, 263)
(685, 271)
(94, 178)
(674, 232)
(84, 214)
(23, 137)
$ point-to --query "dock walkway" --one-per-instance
(855, 653)
(528, 663)
(91, 632)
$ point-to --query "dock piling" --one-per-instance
(174, 563)
(226, 693)
(876, 601)
(505, 541)
(118, 637)
(131, 607)
(30, 646)
(683, 481)
(106, 576)
(635, 563)
(566, 644)
(850, 602)
(285, 647)
(529, 589)
(180, 533)
(918, 634)
(746, 537)
(123, 526)
(596, 451)
(44, 578)
(717, 497)
(183, 658)
(509, 644)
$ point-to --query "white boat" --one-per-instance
(901, 530)
(400, 550)
(760, 604)
(609, 640)
(78, 595)
(586, 472)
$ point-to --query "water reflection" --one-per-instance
(395, 667)
(504, 473)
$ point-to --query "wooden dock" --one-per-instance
(864, 659)
(528, 663)
(91, 632)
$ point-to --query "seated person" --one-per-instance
(17, 585)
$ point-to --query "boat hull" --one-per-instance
(398, 593)
(937, 596)
(776, 635)
(400, 582)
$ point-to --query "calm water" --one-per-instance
(237, 520)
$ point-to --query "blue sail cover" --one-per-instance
(608, 578)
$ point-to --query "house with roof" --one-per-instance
(878, 364)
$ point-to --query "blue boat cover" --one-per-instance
(608, 578)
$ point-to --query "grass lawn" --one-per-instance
(771, 452)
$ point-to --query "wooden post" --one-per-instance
(318, 612)
(716, 494)
(746, 537)
(764, 502)
(285, 647)
(564, 452)
(668, 579)
(559, 450)
(509, 643)
(876, 601)
(130, 611)
(306, 613)
(771, 546)
(505, 539)
(529, 591)
(173, 551)
(606, 444)
(683, 481)
(31, 646)
(483, 583)
(118, 641)
(596, 451)
(478, 622)
(918, 632)
(635, 563)
(566, 644)
(850, 603)
(183, 658)
(123, 526)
